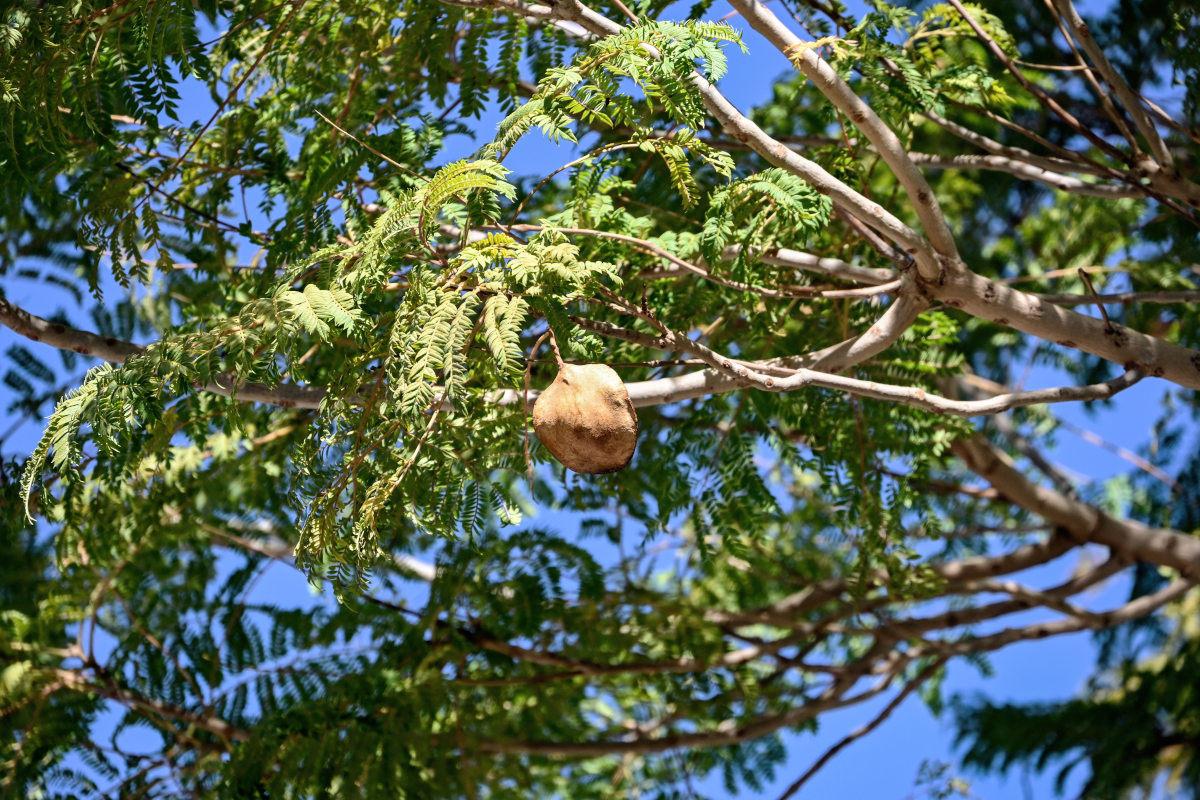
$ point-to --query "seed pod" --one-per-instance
(586, 419)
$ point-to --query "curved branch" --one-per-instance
(919, 398)
(726, 375)
(804, 56)
(1085, 523)
(749, 374)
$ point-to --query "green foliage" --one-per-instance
(1126, 732)
(322, 236)
(317, 309)
(766, 210)
(659, 57)
(946, 44)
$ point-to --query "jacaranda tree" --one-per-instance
(311, 336)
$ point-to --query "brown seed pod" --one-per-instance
(586, 419)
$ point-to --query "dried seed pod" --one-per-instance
(586, 419)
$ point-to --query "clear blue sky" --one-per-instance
(884, 764)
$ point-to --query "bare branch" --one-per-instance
(805, 57)
(831, 267)
(1029, 171)
(1024, 598)
(1135, 609)
(913, 684)
(1085, 523)
(1069, 162)
(1123, 298)
(751, 374)
(1126, 95)
(1128, 455)
(1028, 313)
(919, 398)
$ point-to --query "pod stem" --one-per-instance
(529, 369)
(558, 359)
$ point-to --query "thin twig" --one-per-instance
(862, 731)
(1108, 328)
(1133, 458)
(525, 414)
(371, 149)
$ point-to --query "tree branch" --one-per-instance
(919, 398)
(1128, 99)
(1029, 314)
(1122, 298)
(116, 351)
(863, 730)
(214, 725)
(1135, 609)
(1068, 162)
(1085, 523)
(1022, 169)
(1024, 598)
(887, 144)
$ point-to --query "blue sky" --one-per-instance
(885, 763)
